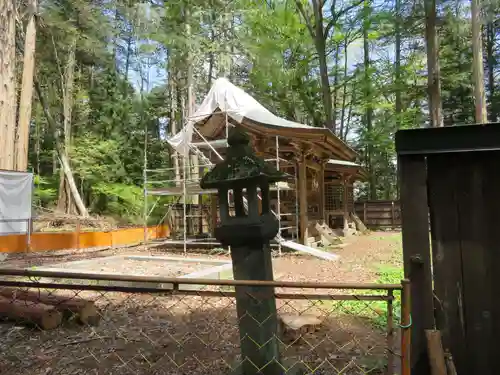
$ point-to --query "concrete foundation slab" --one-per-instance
(161, 266)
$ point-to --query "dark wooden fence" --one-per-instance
(379, 214)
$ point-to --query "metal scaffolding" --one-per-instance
(182, 185)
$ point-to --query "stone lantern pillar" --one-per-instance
(248, 233)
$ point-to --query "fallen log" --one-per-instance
(84, 310)
(44, 316)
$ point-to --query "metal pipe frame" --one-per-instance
(184, 281)
(186, 164)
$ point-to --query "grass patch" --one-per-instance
(374, 312)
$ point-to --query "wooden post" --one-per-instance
(29, 231)
(364, 212)
(390, 333)
(393, 214)
(78, 231)
(213, 213)
(303, 198)
(406, 328)
(345, 203)
(200, 218)
(321, 182)
(416, 254)
(436, 352)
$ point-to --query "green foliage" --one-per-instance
(95, 160)
(133, 61)
(45, 190)
(118, 200)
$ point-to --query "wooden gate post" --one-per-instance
(416, 254)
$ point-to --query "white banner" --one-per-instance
(15, 202)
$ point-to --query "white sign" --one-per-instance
(15, 202)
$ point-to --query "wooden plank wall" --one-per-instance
(379, 214)
(464, 215)
(78, 240)
(455, 290)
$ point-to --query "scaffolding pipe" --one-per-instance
(278, 210)
(145, 188)
(227, 136)
(296, 204)
(184, 193)
(208, 143)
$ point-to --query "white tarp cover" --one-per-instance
(237, 104)
(15, 202)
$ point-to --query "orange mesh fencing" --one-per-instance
(79, 240)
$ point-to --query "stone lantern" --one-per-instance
(248, 233)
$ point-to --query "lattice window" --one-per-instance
(333, 197)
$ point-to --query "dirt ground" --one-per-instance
(361, 257)
(360, 260)
(183, 335)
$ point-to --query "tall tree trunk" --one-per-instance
(317, 32)
(344, 89)
(116, 33)
(129, 45)
(490, 57)
(398, 86)
(66, 202)
(477, 64)
(23, 126)
(352, 102)
(173, 111)
(225, 57)
(7, 83)
(194, 170)
(62, 154)
(320, 43)
(335, 83)
(433, 73)
(368, 98)
(230, 49)
(127, 59)
(211, 53)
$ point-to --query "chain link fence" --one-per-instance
(66, 324)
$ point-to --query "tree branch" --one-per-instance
(61, 153)
(302, 11)
(336, 17)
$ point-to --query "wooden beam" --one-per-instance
(302, 177)
(416, 254)
(345, 199)
(213, 213)
(258, 144)
(313, 165)
(436, 352)
(322, 191)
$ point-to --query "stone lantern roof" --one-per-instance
(240, 166)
